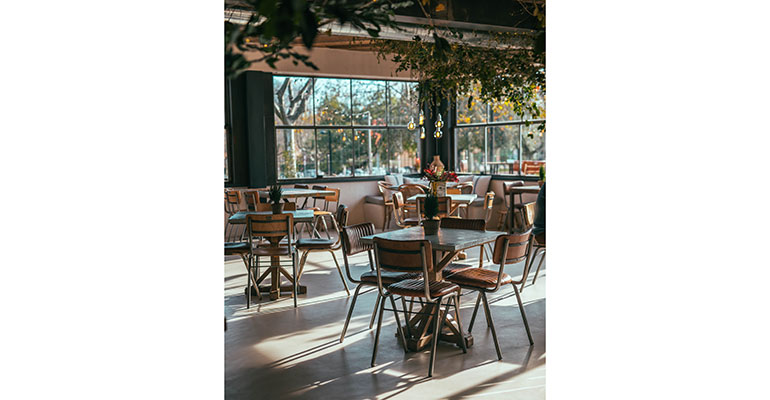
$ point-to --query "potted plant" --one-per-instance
(438, 180)
(542, 176)
(431, 221)
(274, 194)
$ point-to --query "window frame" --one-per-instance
(491, 124)
(353, 127)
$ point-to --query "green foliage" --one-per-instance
(431, 206)
(508, 67)
(276, 24)
(542, 173)
(274, 194)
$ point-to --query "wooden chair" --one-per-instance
(274, 228)
(538, 242)
(509, 249)
(388, 202)
(489, 203)
(409, 190)
(312, 245)
(400, 213)
(323, 212)
(462, 188)
(352, 245)
(444, 207)
(414, 257)
(232, 206)
(237, 248)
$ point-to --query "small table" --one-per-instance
(457, 199)
(496, 164)
(275, 270)
(450, 242)
(290, 193)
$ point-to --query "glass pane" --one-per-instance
(470, 150)
(403, 103)
(293, 100)
(363, 145)
(503, 111)
(335, 151)
(296, 153)
(332, 101)
(533, 142)
(503, 149)
(368, 102)
(476, 113)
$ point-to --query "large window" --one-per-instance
(493, 139)
(344, 127)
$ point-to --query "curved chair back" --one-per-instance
(232, 201)
(489, 202)
(465, 187)
(459, 223)
(511, 248)
(398, 207)
(269, 207)
(411, 189)
(272, 227)
(352, 245)
(403, 256)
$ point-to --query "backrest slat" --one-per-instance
(518, 245)
(403, 256)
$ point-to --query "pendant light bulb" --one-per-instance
(410, 126)
(422, 132)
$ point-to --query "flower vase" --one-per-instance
(438, 188)
(437, 166)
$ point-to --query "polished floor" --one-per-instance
(274, 351)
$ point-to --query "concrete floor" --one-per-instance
(275, 351)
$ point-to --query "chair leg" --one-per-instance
(374, 312)
(350, 313)
(377, 335)
(344, 284)
(294, 292)
(248, 285)
(436, 327)
(523, 315)
(540, 264)
(456, 301)
(491, 325)
(302, 264)
(398, 323)
(475, 310)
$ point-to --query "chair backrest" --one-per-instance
(272, 227)
(517, 250)
(411, 189)
(352, 245)
(299, 186)
(252, 198)
(459, 223)
(398, 206)
(269, 207)
(383, 187)
(403, 255)
(232, 201)
(489, 202)
(444, 206)
(529, 214)
(465, 187)
(342, 215)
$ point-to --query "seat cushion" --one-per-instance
(416, 288)
(307, 243)
(236, 248)
(374, 199)
(388, 277)
(478, 278)
(271, 251)
(455, 267)
(481, 186)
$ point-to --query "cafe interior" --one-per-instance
(384, 202)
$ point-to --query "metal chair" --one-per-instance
(388, 202)
(274, 228)
(414, 256)
(509, 249)
(232, 206)
(408, 190)
(399, 211)
(321, 213)
(502, 224)
(312, 245)
(352, 245)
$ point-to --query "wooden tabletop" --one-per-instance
(456, 198)
(299, 216)
(444, 240)
(294, 192)
(524, 189)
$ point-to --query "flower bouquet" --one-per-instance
(438, 181)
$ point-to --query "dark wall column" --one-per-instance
(235, 119)
(443, 147)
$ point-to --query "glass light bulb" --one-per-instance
(410, 126)
(422, 132)
(422, 119)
